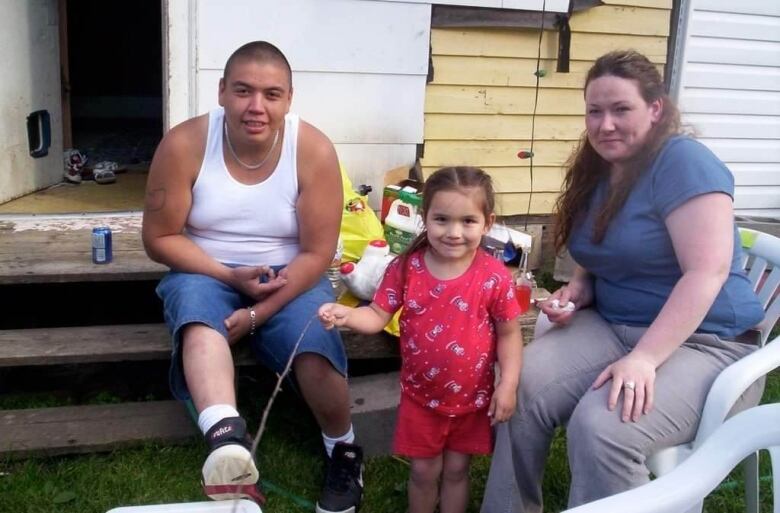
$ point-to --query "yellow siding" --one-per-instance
(493, 153)
(498, 71)
(659, 4)
(518, 179)
(507, 72)
(524, 44)
(446, 99)
(478, 107)
(510, 204)
(496, 127)
(623, 20)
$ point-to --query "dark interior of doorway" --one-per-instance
(113, 82)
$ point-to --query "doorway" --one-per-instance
(112, 105)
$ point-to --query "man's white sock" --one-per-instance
(330, 443)
(213, 414)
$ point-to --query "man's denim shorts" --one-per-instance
(195, 298)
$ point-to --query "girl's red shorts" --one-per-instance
(422, 433)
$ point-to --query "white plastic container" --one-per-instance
(363, 278)
(240, 506)
(402, 224)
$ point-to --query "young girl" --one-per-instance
(459, 314)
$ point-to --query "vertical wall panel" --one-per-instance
(729, 92)
(359, 70)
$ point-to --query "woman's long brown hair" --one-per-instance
(585, 167)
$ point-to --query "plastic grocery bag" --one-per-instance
(359, 224)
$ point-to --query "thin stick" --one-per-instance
(278, 387)
(267, 410)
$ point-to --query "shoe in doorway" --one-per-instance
(74, 162)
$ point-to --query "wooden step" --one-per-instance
(139, 342)
(95, 428)
(60, 251)
(91, 428)
(134, 342)
(80, 429)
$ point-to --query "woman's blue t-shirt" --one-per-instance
(635, 267)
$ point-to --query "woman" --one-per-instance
(660, 306)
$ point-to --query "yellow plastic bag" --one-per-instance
(359, 224)
(392, 327)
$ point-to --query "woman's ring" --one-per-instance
(629, 385)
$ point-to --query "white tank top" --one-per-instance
(246, 224)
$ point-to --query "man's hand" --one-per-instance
(503, 403)
(238, 325)
(257, 281)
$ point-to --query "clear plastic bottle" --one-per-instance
(524, 284)
(334, 271)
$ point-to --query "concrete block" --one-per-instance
(535, 256)
(374, 401)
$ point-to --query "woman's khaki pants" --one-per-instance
(606, 455)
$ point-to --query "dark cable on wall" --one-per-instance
(539, 73)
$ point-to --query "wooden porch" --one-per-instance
(53, 250)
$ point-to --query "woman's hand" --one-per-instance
(634, 375)
(257, 281)
(579, 292)
(503, 403)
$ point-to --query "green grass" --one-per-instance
(289, 462)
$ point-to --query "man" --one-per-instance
(244, 205)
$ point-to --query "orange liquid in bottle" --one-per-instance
(523, 296)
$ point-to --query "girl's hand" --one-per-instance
(333, 315)
(633, 375)
(503, 403)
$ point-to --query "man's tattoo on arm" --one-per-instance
(155, 199)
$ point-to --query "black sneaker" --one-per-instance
(343, 488)
(230, 471)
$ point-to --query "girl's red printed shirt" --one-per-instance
(448, 338)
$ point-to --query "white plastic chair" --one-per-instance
(228, 506)
(762, 251)
(684, 487)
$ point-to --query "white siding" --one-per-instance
(359, 66)
(359, 70)
(729, 92)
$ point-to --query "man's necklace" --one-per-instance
(233, 152)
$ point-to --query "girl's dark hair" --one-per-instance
(455, 178)
(585, 167)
